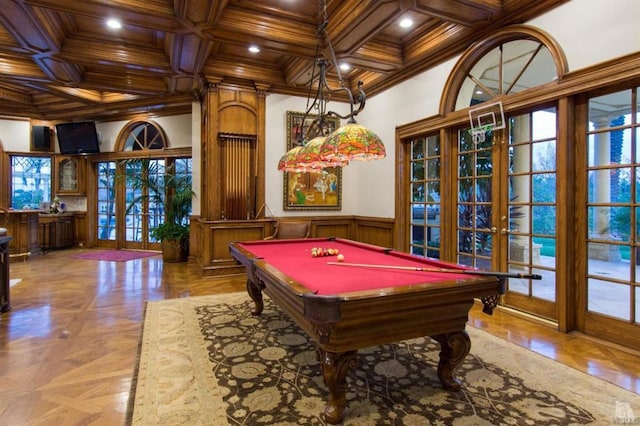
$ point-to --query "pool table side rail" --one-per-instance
(340, 324)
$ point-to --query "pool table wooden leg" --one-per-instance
(453, 348)
(255, 292)
(335, 367)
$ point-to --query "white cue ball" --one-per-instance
(340, 258)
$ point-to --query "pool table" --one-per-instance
(371, 297)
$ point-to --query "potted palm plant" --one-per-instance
(171, 190)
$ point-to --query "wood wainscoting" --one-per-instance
(209, 240)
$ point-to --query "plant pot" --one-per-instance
(174, 251)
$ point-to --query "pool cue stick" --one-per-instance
(442, 270)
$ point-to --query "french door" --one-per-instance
(122, 224)
(506, 203)
(609, 200)
(140, 217)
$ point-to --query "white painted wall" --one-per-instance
(178, 128)
(409, 101)
(15, 135)
(593, 31)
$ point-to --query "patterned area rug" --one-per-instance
(207, 360)
(115, 255)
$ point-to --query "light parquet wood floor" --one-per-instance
(68, 347)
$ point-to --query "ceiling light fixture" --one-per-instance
(254, 49)
(406, 23)
(114, 24)
(317, 149)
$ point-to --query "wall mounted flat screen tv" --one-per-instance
(78, 138)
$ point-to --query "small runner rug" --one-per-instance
(208, 361)
(115, 255)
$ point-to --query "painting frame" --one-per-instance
(310, 190)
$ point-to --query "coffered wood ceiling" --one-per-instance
(59, 61)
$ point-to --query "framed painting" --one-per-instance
(310, 190)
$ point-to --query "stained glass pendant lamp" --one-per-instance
(349, 142)
(310, 155)
(306, 158)
(352, 142)
(288, 161)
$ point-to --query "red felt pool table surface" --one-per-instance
(293, 258)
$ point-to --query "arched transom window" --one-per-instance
(144, 136)
(511, 62)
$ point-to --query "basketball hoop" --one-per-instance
(479, 133)
(485, 118)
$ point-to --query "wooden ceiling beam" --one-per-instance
(155, 14)
(356, 22)
(15, 94)
(465, 13)
(266, 30)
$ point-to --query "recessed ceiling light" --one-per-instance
(406, 23)
(254, 49)
(114, 24)
(479, 92)
(345, 67)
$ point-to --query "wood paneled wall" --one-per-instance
(213, 237)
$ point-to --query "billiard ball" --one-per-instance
(340, 257)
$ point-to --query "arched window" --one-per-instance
(514, 60)
(143, 136)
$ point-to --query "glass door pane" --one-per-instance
(474, 180)
(143, 211)
(613, 207)
(425, 196)
(106, 200)
(531, 211)
(155, 209)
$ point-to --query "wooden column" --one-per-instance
(210, 202)
(233, 151)
(261, 147)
